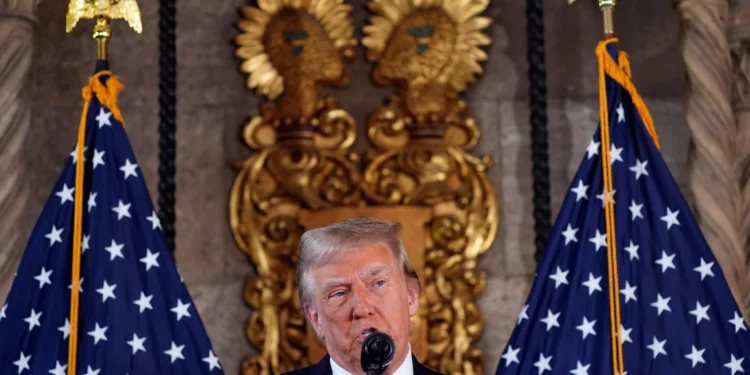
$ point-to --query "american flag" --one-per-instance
(136, 315)
(677, 313)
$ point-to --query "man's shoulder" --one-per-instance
(323, 367)
(420, 369)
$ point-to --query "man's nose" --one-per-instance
(363, 306)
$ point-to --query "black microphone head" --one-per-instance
(378, 350)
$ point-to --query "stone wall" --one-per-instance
(213, 105)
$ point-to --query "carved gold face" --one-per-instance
(420, 48)
(285, 44)
(427, 41)
(299, 47)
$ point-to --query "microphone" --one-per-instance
(378, 350)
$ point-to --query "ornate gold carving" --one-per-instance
(304, 163)
(112, 9)
(430, 50)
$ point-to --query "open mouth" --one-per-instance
(366, 332)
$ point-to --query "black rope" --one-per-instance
(538, 105)
(167, 119)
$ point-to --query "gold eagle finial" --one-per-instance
(112, 9)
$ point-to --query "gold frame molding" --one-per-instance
(303, 164)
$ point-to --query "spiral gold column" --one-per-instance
(17, 23)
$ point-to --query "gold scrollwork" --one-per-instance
(304, 162)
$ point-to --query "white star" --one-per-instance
(65, 329)
(54, 235)
(66, 194)
(137, 344)
(625, 333)
(74, 154)
(129, 169)
(570, 234)
(181, 309)
(614, 153)
(592, 149)
(696, 356)
(85, 243)
(620, 113)
(33, 319)
(98, 334)
(92, 200)
(212, 361)
(635, 210)
(98, 158)
(523, 315)
(580, 369)
(661, 304)
(593, 283)
(155, 223)
(122, 209)
(150, 259)
(735, 364)
(103, 118)
(80, 286)
(657, 347)
(704, 269)
(587, 327)
(59, 369)
(671, 218)
(580, 190)
(43, 277)
(639, 168)
(629, 292)
(543, 363)
(738, 322)
(2, 311)
(560, 277)
(144, 302)
(665, 261)
(511, 355)
(114, 250)
(600, 240)
(551, 320)
(175, 352)
(107, 291)
(610, 197)
(632, 249)
(700, 312)
(91, 371)
(22, 363)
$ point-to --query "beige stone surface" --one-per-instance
(213, 105)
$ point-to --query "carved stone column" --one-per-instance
(739, 41)
(17, 22)
(714, 137)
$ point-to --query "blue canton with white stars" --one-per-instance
(677, 312)
(135, 314)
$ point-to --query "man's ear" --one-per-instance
(412, 292)
(314, 319)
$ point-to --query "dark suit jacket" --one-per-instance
(324, 368)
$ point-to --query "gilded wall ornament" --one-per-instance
(304, 174)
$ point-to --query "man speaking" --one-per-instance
(355, 281)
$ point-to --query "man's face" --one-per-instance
(358, 293)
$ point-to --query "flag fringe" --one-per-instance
(107, 95)
(621, 73)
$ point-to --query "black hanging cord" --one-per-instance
(538, 105)
(167, 119)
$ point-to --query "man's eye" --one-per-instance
(340, 293)
(380, 282)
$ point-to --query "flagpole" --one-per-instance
(102, 32)
(608, 16)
